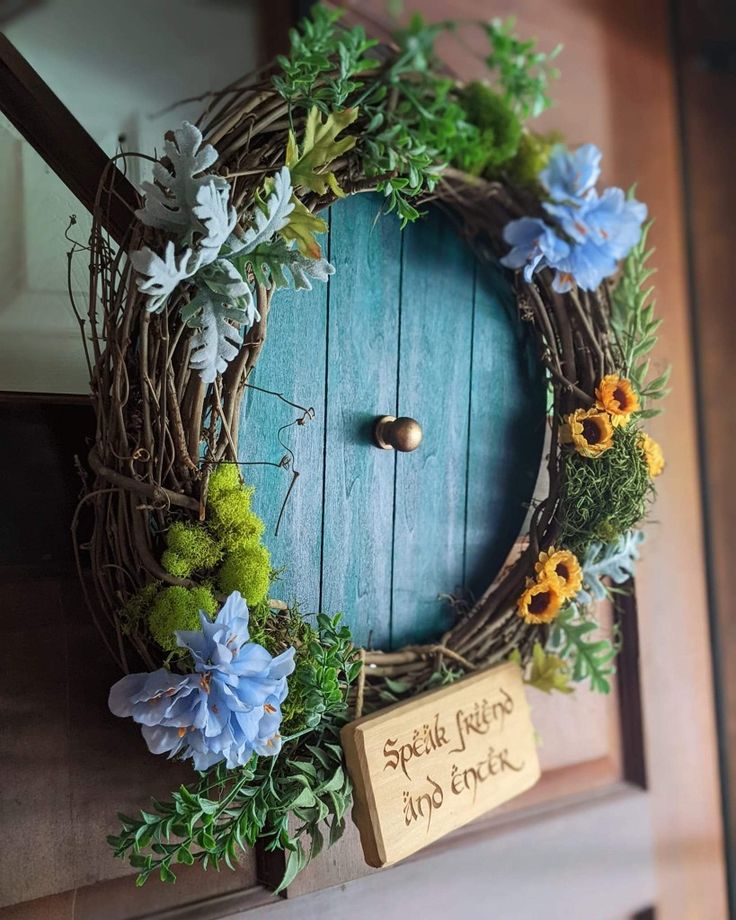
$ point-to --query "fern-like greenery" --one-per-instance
(413, 119)
(636, 326)
(576, 640)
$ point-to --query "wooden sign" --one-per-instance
(427, 766)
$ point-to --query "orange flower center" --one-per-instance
(539, 602)
(562, 570)
(204, 681)
(621, 397)
(591, 431)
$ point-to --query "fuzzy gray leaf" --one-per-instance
(224, 280)
(217, 341)
(614, 560)
(275, 217)
(217, 217)
(303, 268)
(157, 277)
(171, 199)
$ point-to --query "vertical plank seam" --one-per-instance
(470, 418)
(396, 412)
(328, 303)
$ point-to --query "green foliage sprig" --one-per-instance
(576, 640)
(324, 66)
(523, 72)
(226, 811)
(413, 117)
(636, 326)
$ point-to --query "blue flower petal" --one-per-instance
(571, 176)
(227, 710)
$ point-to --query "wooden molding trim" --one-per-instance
(51, 129)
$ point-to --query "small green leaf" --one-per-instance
(166, 875)
(294, 865)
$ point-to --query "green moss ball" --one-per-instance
(498, 123)
(606, 496)
(190, 547)
(247, 571)
(178, 608)
(233, 518)
(531, 158)
(224, 478)
(176, 565)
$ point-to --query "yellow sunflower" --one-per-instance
(560, 566)
(616, 396)
(588, 430)
(540, 602)
(652, 454)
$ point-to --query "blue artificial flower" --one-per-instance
(586, 266)
(610, 221)
(571, 176)
(534, 246)
(228, 709)
(590, 233)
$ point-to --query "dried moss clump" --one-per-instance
(178, 608)
(276, 631)
(607, 496)
(499, 127)
(190, 548)
(246, 565)
(531, 157)
(247, 570)
(136, 608)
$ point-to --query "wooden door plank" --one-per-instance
(361, 384)
(507, 422)
(434, 382)
(292, 364)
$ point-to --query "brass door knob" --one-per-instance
(404, 434)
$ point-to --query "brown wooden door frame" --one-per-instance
(704, 50)
(51, 129)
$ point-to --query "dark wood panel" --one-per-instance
(37, 465)
(68, 765)
(705, 40)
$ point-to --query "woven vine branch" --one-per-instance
(161, 430)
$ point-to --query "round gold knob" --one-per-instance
(404, 434)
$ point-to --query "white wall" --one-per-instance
(116, 64)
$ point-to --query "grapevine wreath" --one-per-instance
(216, 670)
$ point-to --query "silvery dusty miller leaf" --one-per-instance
(265, 224)
(171, 199)
(216, 342)
(218, 218)
(614, 561)
(158, 276)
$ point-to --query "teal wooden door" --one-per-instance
(410, 324)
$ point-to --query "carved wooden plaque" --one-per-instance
(427, 766)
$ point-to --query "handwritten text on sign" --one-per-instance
(427, 766)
